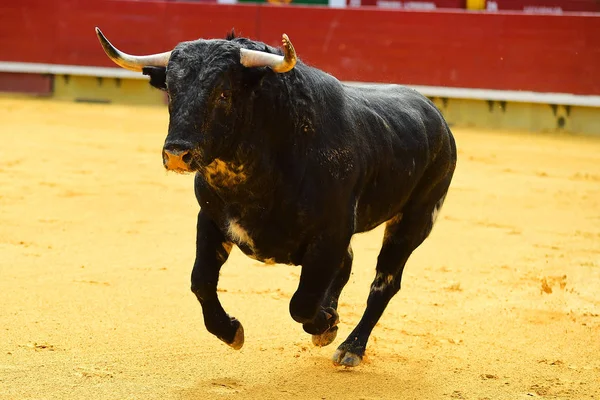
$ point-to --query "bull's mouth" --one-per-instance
(180, 170)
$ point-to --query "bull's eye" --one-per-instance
(224, 96)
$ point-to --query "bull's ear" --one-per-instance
(158, 76)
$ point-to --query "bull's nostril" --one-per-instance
(177, 159)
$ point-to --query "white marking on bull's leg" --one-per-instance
(436, 209)
(382, 281)
(239, 234)
(434, 214)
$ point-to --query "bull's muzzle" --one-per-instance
(177, 159)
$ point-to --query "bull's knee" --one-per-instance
(304, 307)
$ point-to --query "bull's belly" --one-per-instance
(366, 226)
(274, 249)
(370, 215)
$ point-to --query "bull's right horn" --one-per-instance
(133, 63)
(280, 64)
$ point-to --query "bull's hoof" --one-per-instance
(346, 358)
(238, 339)
(325, 338)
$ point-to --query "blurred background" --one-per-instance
(522, 64)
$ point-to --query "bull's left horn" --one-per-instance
(285, 63)
(133, 63)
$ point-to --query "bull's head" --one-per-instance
(209, 84)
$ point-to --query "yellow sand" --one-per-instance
(97, 244)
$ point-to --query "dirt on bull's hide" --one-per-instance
(97, 244)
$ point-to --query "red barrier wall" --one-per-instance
(543, 53)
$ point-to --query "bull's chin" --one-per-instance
(180, 170)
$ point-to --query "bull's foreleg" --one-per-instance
(320, 266)
(332, 297)
(212, 250)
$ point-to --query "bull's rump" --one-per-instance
(401, 137)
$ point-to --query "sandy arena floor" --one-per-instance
(97, 243)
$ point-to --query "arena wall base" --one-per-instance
(26, 83)
(483, 109)
(520, 116)
(98, 89)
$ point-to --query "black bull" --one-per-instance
(289, 164)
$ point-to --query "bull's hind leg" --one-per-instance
(403, 234)
(212, 250)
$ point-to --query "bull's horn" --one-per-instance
(285, 63)
(133, 63)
